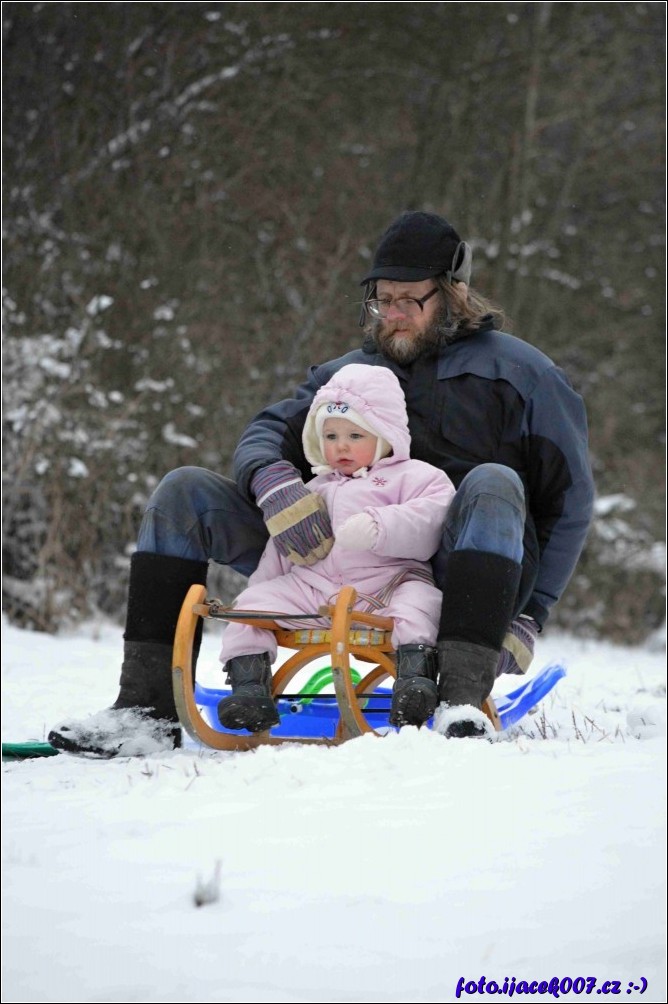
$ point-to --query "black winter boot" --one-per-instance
(467, 674)
(415, 694)
(479, 598)
(143, 718)
(251, 705)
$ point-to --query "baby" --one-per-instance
(387, 513)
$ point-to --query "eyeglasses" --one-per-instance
(408, 305)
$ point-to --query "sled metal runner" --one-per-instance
(347, 632)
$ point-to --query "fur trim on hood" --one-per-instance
(375, 394)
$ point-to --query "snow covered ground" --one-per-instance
(384, 870)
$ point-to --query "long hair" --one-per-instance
(467, 314)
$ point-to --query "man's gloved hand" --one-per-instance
(358, 533)
(296, 518)
(517, 649)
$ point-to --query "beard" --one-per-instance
(406, 348)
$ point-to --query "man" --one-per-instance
(493, 412)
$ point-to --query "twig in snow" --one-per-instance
(578, 734)
(208, 892)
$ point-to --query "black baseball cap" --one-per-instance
(419, 246)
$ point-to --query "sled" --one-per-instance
(358, 706)
(306, 715)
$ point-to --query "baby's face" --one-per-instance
(346, 446)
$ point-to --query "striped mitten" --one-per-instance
(296, 518)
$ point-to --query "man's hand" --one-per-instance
(518, 644)
(358, 533)
(296, 518)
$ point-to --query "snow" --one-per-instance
(382, 870)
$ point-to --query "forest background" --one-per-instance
(193, 190)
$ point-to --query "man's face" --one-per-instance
(404, 334)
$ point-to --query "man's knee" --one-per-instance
(187, 485)
(497, 481)
(488, 513)
(182, 479)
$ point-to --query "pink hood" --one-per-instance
(375, 394)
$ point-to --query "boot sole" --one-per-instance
(236, 714)
(60, 742)
(65, 745)
(414, 708)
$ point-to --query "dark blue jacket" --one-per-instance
(486, 398)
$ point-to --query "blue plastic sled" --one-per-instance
(317, 716)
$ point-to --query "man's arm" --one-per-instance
(561, 485)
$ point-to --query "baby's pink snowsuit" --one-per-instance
(408, 501)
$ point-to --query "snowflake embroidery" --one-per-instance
(379, 481)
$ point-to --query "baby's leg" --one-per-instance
(416, 609)
(285, 595)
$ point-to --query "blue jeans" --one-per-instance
(488, 513)
(198, 514)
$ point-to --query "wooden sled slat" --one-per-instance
(183, 687)
(340, 646)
